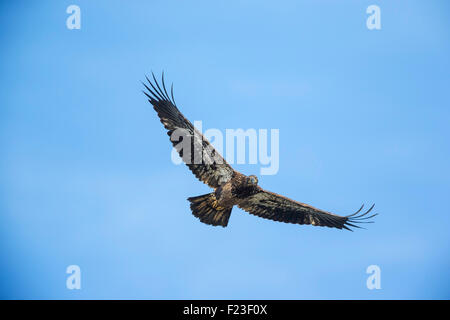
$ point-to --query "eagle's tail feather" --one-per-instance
(205, 208)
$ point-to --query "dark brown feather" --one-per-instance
(204, 161)
(275, 207)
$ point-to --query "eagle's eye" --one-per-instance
(253, 180)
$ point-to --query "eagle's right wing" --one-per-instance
(199, 155)
(275, 207)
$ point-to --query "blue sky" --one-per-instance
(86, 176)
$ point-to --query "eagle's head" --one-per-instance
(252, 180)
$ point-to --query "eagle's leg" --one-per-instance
(207, 209)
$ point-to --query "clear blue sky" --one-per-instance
(86, 176)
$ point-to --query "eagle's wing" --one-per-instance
(273, 206)
(201, 157)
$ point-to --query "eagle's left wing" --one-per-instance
(275, 207)
(202, 159)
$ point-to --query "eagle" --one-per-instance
(232, 188)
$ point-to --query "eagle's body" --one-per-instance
(226, 194)
(223, 199)
(232, 188)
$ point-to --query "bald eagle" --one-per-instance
(232, 188)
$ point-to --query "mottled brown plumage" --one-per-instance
(231, 187)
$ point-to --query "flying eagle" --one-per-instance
(230, 186)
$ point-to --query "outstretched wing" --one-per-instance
(196, 151)
(272, 206)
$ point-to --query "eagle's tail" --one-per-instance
(205, 208)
